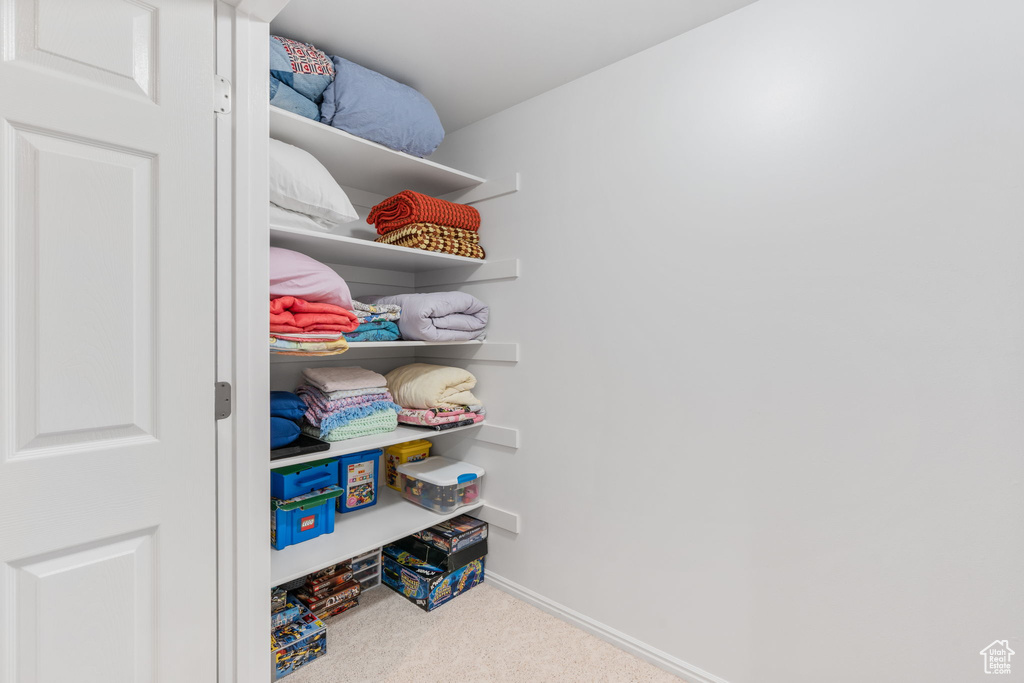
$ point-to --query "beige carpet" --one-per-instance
(482, 635)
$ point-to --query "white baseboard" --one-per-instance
(660, 659)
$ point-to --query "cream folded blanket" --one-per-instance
(422, 385)
(332, 379)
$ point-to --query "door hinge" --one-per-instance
(222, 399)
(221, 95)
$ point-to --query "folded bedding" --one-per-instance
(376, 108)
(370, 313)
(381, 422)
(309, 336)
(352, 393)
(299, 74)
(305, 278)
(438, 316)
(282, 432)
(307, 348)
(408, 207)
(435, 418)
(319, 402)
(332, 379)
(374, 332)
(285, 97)
(291, 314)
(423, 386)
(439, 238)
(327, 422)
(449, 425)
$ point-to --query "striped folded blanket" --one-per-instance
(439, 238)
(408, 207)
(318, 403)
(288, 347)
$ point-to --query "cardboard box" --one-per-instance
(334, 610)
(297, 643)
(327, 586)
(439, 558)
(425, 585)
(455, 534)
(290, 612)
(343, 593)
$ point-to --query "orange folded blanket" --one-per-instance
(412, 207)
(290, 314)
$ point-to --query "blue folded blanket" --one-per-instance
(299, 73)
(377, 108)
(287, 405)
(381, 330)
(282, 432)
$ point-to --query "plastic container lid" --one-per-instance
(410, 447)
(441, 471)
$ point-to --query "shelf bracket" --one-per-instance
(500, 436)
(499, 352)
(503, 519)
(507, 269)
(494, 187)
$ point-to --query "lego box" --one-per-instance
(439, 558)
(425, 585)
(297, 643)
(289, 614)
(455, 534)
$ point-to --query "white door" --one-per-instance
(107, 498)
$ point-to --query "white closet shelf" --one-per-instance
(365, 443)
(364, 165)
(501, 352)
(392, 518)
(353, 251)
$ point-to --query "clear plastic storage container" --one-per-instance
(440, 484)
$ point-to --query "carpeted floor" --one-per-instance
(482, 635)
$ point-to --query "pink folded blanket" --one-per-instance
(291, 314)
(433, 416)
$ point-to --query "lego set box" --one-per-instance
(297, 643)
(455, 534)
(425, 585)
(432, 555)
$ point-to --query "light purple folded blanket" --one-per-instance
(438, 316)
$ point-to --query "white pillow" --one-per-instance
(283, 218)
(299, 182)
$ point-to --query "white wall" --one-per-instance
(772, 328)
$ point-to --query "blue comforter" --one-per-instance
(377, 108)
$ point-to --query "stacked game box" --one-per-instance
(298, 642)
(435, 565)
(329, 591)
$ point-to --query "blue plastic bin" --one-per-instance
(303, 518)
(357, 474)
(292, 481)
